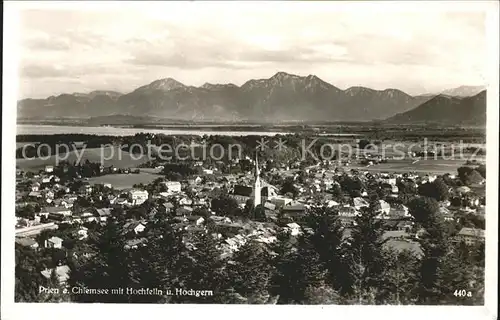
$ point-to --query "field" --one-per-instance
(124, 181)
(430, 166)
(118, 158)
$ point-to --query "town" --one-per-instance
(64, 220)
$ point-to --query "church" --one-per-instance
(260, 192)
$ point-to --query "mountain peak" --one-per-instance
(166, 84)
(280, 75)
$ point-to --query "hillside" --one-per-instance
(447, 110)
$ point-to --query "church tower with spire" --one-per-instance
(257, 185)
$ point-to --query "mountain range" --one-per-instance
(283, 97)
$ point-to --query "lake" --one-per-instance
(117, 131)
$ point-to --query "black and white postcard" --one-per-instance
(339, 158)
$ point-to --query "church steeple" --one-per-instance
(257, 186)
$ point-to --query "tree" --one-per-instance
(157, 265)
(322, 295)
(366, 253)
(400, 277)
(225, 206)
(482, 170)
(336, 191)
(249, 272)
(289, 187)
(352, 186)
(27, 274)
(204, 269)
(434, 245)
(424, 210)
(259, 213)
(363, 143)
(109, 267)
(327, 238)
(296, 270)
(436, 189)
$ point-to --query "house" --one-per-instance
(220, 219)
(82, 233)
(293, 228)
(184, 211)
(268, 192)
(137, 196)
(173, 186)
(269, 206)
(49, 194)
(404, 226)
(27, 242)
(331, 203)
(281, 201)
(54, 242)
(294, 211)
(348, 211)
(35, 186)
(135, 243)
(85, 188)
(88, 216)
(55, 212)
(134, 227)
(463, 190)
(49, 169)
(446, 214)
(185, 201)
(383, 208)
(62, 273)
(234, 243)
(169, 206)
(35, 194)
(197, 220)
(470, 236)
(103, 213)
(242, 193)
(360, 203)
(198, 180)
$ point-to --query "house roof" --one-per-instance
(295, 207)
(193, 218)
(360, 202)
(55, 209)
(172, 183)
(26, 242)
(135, 242)
(240, 190)
(103, 212)
(55, 240)
(269, 205)
(463, 189)
(471, 232)
(383, 205)
(62, 273)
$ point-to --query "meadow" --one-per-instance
(124, 180)
(117, 158)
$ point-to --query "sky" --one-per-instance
(69, 48)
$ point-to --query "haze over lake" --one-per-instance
(118, 131)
